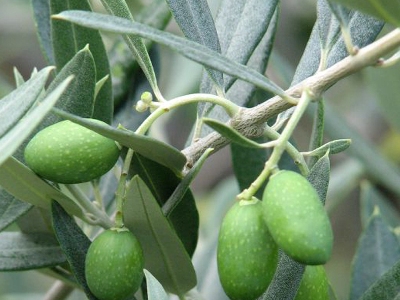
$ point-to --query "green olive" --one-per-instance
(114, 265)
(247, 255)
(66, 152)
(297, 219)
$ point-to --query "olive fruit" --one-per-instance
(66, 152)
(246, 255)
(314, 284)
(297, 219)
(114, 265)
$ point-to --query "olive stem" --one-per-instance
(121, 189)
(164, 107)
(271, 165)
(88, 206)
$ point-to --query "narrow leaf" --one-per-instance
(22, 183)
(191, 50)
(68, 39)
(386, 287)
(146, 146)
(165, 256)
(333, 147)
(377, 251)
(196, 22)
(162, 183)
(319, 176)
(387, 10)
(10, 142)
(317, 134)
(155, 291)
(41, 13)
(370, 198)
(19, 251)
(16, 104)
(74, 243)
(231, 134)
(119, 8)
(11, 209)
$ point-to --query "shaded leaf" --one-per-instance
(370, 198)
(16, 104)
(155, 291)
(146, 146)
(192, 50)
(165, 256)
(19, 251)
(196, 22)
(11, 209)
(162, 184)
(22, 183)
(11, 141)
(387, 10)
(119, 8)
(74, 243)
(317, 134)
(41, 14)
(377, 251)
(231, 134)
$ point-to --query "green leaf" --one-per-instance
(165, 256)
(41, 14)
(317, 134)
(16, 104)
(382, 82)
(197, 24)
(22, 183)
(74, 243)
(11, 209)
(68, 39)
(155, 291)
(10, 142)
(180, 191)
(387, 10)
(386, 287)
(231, 134)
(19, 251)
(370, 198)
(333, 147)
(375, 165)
(119, 8)
(191, 50)
(319, 176)
(377, 251)
(162, 184)
(146, 146)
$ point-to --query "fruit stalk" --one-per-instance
(272, 163)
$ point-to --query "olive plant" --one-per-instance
(101, 202)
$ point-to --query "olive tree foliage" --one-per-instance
(237, 106)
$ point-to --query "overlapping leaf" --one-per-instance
(11, 209)
(165, 256)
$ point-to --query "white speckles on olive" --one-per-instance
(247, 254)
(69, 153)
(296, 218)
(114, 265)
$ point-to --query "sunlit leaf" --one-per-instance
(155, 291)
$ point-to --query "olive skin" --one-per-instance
(297, 219)
(114, 265)
(314, 284)
(246, 255)
(68, 153)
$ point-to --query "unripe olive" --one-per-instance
(114, 265)
(297, 219)
(247, 255)
(66, 152)
(314, 284)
